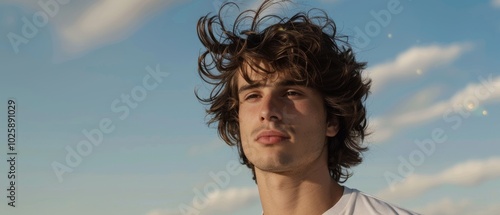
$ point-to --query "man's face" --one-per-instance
(283, 126)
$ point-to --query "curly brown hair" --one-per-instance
(305, 47)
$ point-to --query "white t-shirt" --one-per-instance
(355, 202)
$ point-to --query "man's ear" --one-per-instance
(332, 128)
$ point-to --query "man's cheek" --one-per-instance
(247, 150)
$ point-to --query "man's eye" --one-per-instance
(292, 93)
(252, 96)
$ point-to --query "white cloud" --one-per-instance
(485, 91)
(163, 212)
(80, 26)
(421, 99)
(228, 201)
(492, 209)
(381, 126)
(105, 22)
(446, 206)
(231, 200)
(414, 61)
(495, 3)
(468, 173)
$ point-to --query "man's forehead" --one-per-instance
(263, 78)
(260, 72)
(275, 80)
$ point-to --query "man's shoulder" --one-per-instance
(354, 201)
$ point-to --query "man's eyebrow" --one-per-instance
(281, 83)
(249, 87)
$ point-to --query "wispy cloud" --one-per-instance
(468, 173)
(163, 212)
(231, 200)
(421, 99)
(492, 209)
(495, 3)
(413, 62)
(485, 91)
(80, 26)
(228, 201)
(446, 206)
(106, 22)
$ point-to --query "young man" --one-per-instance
(290, 97)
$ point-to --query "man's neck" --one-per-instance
(311, 192)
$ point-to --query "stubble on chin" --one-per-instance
(279, 163)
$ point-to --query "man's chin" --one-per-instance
(274, 163)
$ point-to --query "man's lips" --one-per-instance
(271, 137)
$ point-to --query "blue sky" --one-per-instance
(122, 74)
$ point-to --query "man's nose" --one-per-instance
(270, 108)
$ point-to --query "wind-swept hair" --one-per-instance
(304, 47)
